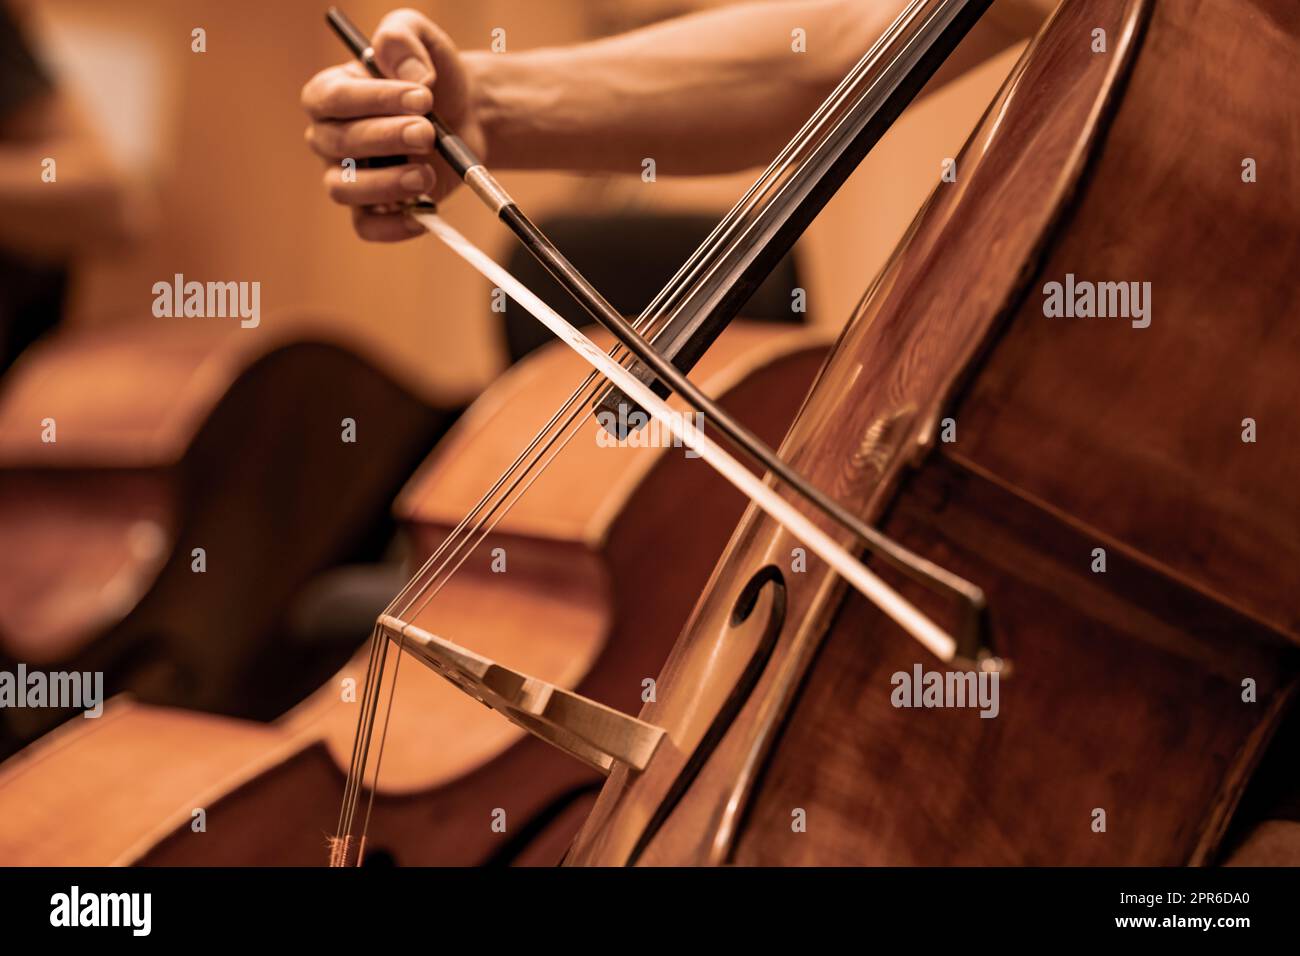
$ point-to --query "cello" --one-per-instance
(573, 600)
(1100, 478)
(162, 499)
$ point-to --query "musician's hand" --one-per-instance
(354, 116)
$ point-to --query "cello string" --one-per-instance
(483, 183)
(428, 589)
(675, 289)
(897, 608)
(465, 546)
(543, 436)
(423, 580)
(352, 37)
(388, 713)
(361, 743)
(356, 740)
(787, 157)
(893, 604)
(744, 440)
(429, 597)
(657, 311)
(426, 584)
(782, 163)
(481, 531)
(374, 673)
(500, 511)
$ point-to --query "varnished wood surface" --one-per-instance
(1127, 697)
(86, 792)
(1127, 692)
(170, 439)
(580, 606)
(1138, 431)
(74, 562)
(927, 315)
(559, 505)
(103, 386)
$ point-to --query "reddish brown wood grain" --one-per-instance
(1127, 690)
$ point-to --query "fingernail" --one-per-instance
(417, 101)
(418, 134)
(412, 70)
(414, 180)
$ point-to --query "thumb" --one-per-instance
(399, 48)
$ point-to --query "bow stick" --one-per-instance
(471, 170)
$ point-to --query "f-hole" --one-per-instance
(746, 601)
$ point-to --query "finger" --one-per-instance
(338, 94)
(384, 227)
(377, 136)
(410, 46)
(399, 45)
(375, 186)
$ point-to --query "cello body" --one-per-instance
(1097, 477)
(125, 449)
(601, 564)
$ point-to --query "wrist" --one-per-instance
(485, 106)
(507, 101)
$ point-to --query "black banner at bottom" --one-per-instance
(510, 906)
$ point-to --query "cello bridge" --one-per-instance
(597, 735)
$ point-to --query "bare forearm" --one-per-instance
(714, 91)
(711, 92)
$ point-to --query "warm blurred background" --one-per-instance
(216, 141)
